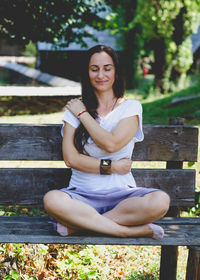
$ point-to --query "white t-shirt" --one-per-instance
(93, 182)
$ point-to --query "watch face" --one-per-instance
(105, 167)
(106, 162)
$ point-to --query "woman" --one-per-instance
(99, 134)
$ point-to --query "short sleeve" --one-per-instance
(134, 108)
(69, 118)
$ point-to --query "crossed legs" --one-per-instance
(130, 218)
(140, 210)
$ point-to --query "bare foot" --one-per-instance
(64, 231)
(157, 231)
(146, 230)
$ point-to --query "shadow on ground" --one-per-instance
(32, 105)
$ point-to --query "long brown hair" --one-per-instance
(88, 96)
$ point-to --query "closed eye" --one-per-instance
(94, 69)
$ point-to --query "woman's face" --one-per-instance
(101, 72)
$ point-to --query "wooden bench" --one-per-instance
(172, 144)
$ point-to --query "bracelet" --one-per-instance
(82, 112)
(105, 166)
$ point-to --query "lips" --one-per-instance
(101, 82)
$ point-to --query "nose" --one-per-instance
(100, 74)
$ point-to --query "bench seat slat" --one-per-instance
(43, 142)
(20, 230)
(27, 186)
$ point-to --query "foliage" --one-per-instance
(119, 22)
(5, 78)
(75, 262)
(169, 24)
(21, 211)
(195, 211)
(160, 26)
(58, 21)
(30, 49)
(46, 262)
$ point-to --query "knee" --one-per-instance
(164, 202)
(50, 200)
(159, 205)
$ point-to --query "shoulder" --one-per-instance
(133, 105)
(70, 118)
(68, 114)
(129, 108)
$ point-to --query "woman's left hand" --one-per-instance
(75, 106)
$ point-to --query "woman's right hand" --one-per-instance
(122, 166)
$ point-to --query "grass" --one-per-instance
(93, 262)
(157, 108)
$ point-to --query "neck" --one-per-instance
(105, 99)
(107, 103)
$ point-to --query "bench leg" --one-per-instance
(168, 262)
(193, 263)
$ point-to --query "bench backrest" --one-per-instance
(26, 186)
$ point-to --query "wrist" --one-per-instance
(105, 166)
(113, 167)
(81, 113)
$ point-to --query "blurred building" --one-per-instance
(66, 62)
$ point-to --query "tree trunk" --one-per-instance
(131, 56)
(132, 45)
(178, 37)
(159, 66)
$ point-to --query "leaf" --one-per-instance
(2, 212)
(191, 163)
(14, 274)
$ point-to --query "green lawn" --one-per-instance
(157, 108)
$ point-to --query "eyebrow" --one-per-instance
(109, 64)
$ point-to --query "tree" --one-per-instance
(168, 26)
(56, 21)
(119, 22)
(164, 26)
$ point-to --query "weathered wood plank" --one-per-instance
(169, 254)
(193, 263)
(42, 220)
(179, 184)
(43, 142)
(168, 143)
(30, 142)
(20, 230)
(27, 186)
(168, 263)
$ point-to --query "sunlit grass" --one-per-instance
(54, 118)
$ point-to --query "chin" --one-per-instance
(103, 88)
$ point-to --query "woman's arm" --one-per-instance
(112, 141)
(108, 141)
(86, 163)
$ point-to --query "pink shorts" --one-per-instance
(105, 202)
